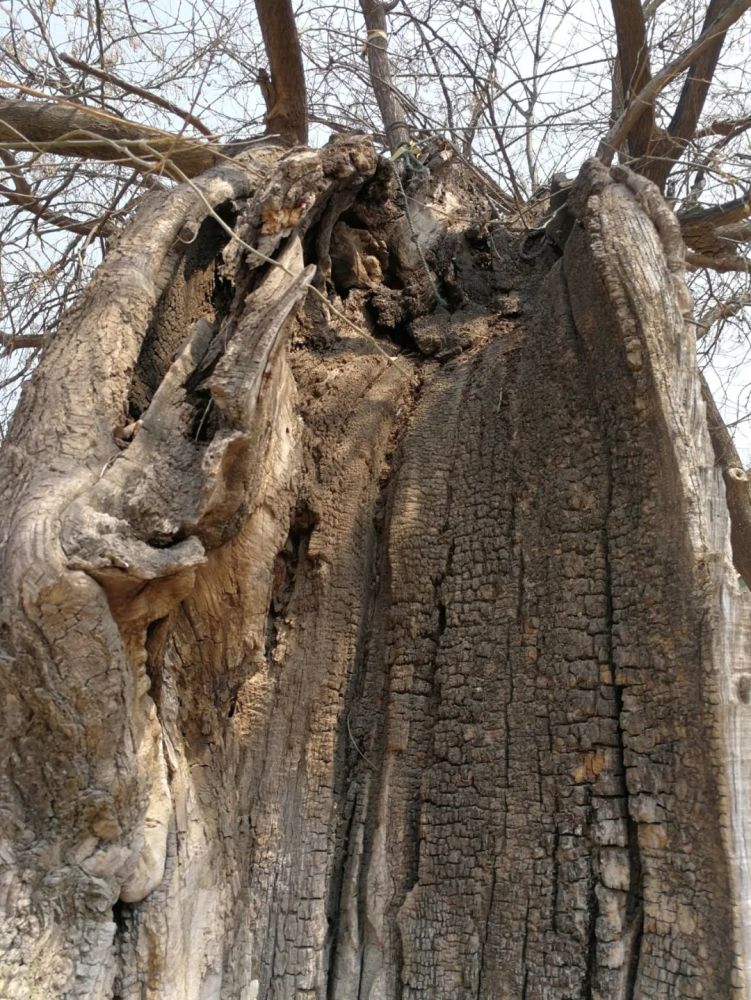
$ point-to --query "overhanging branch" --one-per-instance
(69, 129)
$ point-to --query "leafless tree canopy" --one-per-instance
(522, 90)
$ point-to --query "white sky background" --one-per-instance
(215, 47)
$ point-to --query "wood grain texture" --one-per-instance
(374, 680)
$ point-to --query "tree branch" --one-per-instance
(717, 215)
(387, 96)
(729, 128)
(693, 95)
(720, 311)
(69, 129)
(621, 129)
(286, 102)
(24, 197)
(25, 341)
(738, 232)
(718, 263)
(635, 74)
(147, 95)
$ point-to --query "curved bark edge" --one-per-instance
(619, 211)
(85, 572)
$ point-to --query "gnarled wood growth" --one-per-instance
(335, 677)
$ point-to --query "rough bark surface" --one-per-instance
(332, 677)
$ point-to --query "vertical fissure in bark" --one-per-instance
(344, 844)
(290, 558)
(523, 962)
(486, 934)
(555, 866)
(590, 969)
(360, 734)
(634, 911)
(634, 918)
(157, 633)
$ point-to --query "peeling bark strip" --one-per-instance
(328, 678)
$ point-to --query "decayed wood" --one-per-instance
(105, 541)
(340, 678)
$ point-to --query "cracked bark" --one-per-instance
(328, 677)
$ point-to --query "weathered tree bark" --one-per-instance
(333, 677)
(69, 129)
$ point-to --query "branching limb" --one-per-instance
(715, 232)
(69, 129)
(719, 263)
(693, 95)
(147, 95)
(634, 71)
(728, 128)
(22, 195)
(23, 341)
(721, 311)
(621, 129)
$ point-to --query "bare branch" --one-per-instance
(717, 215)
(23, 341)
(69, 129)
(376, 45)
(726, 127)
(651, 8)
(738, 232)
(621, 129)
(729, 263)
(147, 95)
(693, 96)
(635, 73)
(286, 104)
(721, 311)
(24, 197)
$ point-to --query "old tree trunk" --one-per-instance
(336, 677)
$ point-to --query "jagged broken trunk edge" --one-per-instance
(452, 713)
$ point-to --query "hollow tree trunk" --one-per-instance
(333, 677)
